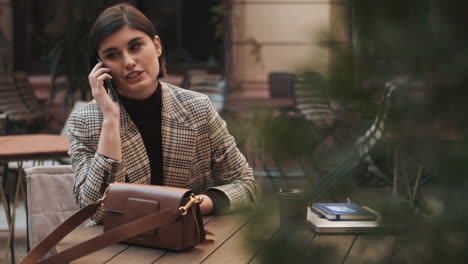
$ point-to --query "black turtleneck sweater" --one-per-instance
(146, 114)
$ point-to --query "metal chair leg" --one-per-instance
(7, 216)
(15, 205)
(25, 199)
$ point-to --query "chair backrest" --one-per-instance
(50, 199)
(311, 99)
(26, 91)
(357, 153)
(281, 84)
(210, 84)
(376, 131)
(188, 76)
(19, 103)
(3, 123)
(10, 100)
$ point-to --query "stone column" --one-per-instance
(281, 35)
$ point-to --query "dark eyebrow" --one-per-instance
(108, 50)
(129, 43)
(134, 40)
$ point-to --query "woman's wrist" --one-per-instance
(109, 140)
(207, 205)
(111, 112)
(111, 121)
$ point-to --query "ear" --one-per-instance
(157, 45)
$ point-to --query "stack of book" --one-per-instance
(342, 218)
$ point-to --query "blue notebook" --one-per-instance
(342, 211)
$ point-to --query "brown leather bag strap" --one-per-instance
(112, 236)
(59, 233)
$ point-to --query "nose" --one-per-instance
(129, 61)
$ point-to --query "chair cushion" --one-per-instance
(50, 199)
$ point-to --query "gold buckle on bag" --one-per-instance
(101, 201)
(193, 199)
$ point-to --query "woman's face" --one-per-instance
(132, 57)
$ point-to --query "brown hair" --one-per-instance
(113, 19)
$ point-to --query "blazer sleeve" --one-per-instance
(230, 171)
(93, 171)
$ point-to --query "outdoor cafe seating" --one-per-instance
(24, 113)
(228, 245)
(46, 211)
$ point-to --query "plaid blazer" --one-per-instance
(198, 151)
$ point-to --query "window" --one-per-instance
(185, 27)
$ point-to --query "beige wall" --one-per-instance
(273, 35)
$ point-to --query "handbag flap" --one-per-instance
(167, 197)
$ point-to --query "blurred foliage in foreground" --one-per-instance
(423, 46)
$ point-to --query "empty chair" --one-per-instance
(26, 91)
(11, 102)
(210, 84)
(3, 123)
(281, 84)
(23, 113)
(278, 141)
(308, 94)
(359, 152)
(188, 76)
(312, 100)
(50, 199)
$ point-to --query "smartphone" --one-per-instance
(110, 87)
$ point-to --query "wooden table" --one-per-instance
(37, 147)
(233, 244)
(33, 147)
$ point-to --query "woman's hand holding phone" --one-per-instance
(110, 109)
(109, 140)
(110, 87)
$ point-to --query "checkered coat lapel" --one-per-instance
(136, 162)
(177, 143)
(178, 139)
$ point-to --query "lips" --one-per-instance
(133, 75)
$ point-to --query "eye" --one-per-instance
(111, 55)
(135, 46)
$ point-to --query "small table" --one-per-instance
(233, 243)
(37, 147)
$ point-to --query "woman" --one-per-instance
(157, 133)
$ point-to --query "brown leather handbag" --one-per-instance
(150, 215)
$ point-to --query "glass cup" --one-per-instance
(292, 207)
